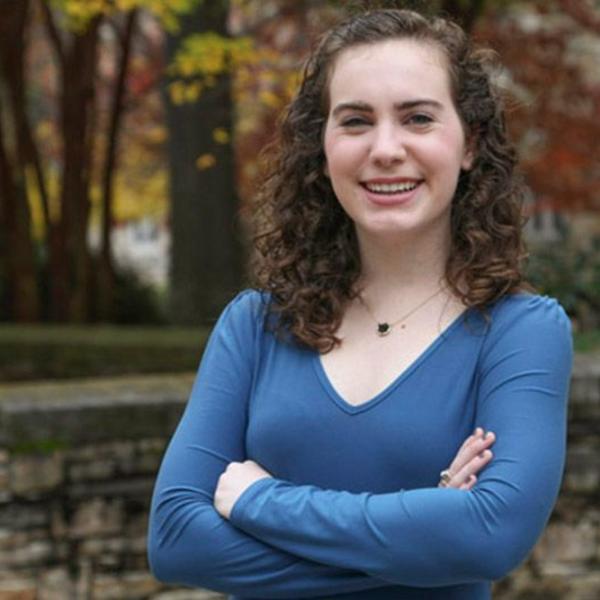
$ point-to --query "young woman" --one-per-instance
(390, 329)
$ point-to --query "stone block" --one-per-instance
(98, 547)
(149, 455)
(133, 586)
(55, 584)
(31, 475)
(117, 449)
(18, 588)
(137, 545)
(137, 488)
(92, 470)
(13, 539)
(32, 554)
(148, 463)
(152, 446)
(586, 587)
(533, 588)
(585, 384)
(97, 517)
(76, 413)
(567, 543)
(189, 595)
(23, 515)
(582, 472)
(137, 522)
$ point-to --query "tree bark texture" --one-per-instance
(206, 257)
(16, 156)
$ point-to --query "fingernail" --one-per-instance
(477, 432)
(489, 433)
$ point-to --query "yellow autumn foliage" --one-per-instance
(221, 135)
(204, 56)
(206, 161)
(79, 13)
(262, 83)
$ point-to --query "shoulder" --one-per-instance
(529, 324)
(243, 316)
(249, 303)
(530, 312)
(238, 330)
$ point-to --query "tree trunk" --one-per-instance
(206, 258)
(106, 274)
(15, 219)
(77, 120)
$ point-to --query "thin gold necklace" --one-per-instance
(384, 327)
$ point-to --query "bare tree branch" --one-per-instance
(53, 33)
(113, 134)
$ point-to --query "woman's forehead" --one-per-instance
(399, 66)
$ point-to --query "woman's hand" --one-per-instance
(233, 482)
(472, 456)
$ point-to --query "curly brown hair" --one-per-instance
(308, 259)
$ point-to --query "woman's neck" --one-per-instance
(406, 266)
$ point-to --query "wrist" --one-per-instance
(249, 496)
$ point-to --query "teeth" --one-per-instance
(390, 188)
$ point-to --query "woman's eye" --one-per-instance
(420, 119)
(354, 122)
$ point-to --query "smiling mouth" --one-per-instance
(391, 188)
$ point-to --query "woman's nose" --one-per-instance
(388, 146)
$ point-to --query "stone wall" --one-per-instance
(565, 564)
(77, 466)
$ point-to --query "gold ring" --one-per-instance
(445, 478)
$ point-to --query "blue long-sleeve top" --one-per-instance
(353, 508)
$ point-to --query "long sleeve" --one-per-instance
(189, 542)
(437, 537)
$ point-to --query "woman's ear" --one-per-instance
(469, 153)
(467, 161)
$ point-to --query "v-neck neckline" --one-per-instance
(349, 408)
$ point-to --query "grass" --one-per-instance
(100, 334)
(54, 352)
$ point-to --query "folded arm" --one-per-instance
(189, 542)
(436, 537)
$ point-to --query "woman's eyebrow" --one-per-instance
(417, 103)
(399, 106)
(359, 106)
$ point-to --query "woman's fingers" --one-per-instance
(473, 467)
(472, 456)
(473, 445)
(469, 483)
(471, 448)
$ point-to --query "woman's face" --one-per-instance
(394, 143)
